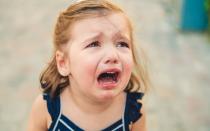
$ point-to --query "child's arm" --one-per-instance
(38, 116)
(140, 125)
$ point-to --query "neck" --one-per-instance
(90, 106)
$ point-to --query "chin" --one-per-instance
(108, 95)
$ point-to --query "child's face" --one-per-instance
(99, 56)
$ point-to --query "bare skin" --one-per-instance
(40, 119)
(103, 45)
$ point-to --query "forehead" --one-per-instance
(107, 25)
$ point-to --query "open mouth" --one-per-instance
(108, 77)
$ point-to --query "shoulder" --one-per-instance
(136, 113)
(38, 115)
(140, 124)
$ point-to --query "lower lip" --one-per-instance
(108, 85)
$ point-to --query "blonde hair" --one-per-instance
(51, 81)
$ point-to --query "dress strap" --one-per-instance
(132, 109)
(53, 106)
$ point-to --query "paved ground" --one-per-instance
(179, 62)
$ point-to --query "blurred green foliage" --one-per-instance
(207, 7)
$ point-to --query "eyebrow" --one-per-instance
(98, 35)
(94, 36)
(121, 35)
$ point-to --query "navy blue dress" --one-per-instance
(61, 123)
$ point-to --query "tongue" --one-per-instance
(106, 80)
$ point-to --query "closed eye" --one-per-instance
(123, 44)
(93, 44)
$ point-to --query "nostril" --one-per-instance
(113, 61)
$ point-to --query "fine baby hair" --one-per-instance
(52, 81)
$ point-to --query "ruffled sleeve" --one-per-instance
(53, 106)
(133, 107)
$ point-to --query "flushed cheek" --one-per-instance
(81, 69)
(90, 73)
(128, 66)
(87, 71)
(128, 61)
(128, 70)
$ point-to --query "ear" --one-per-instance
(62, 63)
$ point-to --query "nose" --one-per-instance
(111, 56)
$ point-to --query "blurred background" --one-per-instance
(173, 33)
